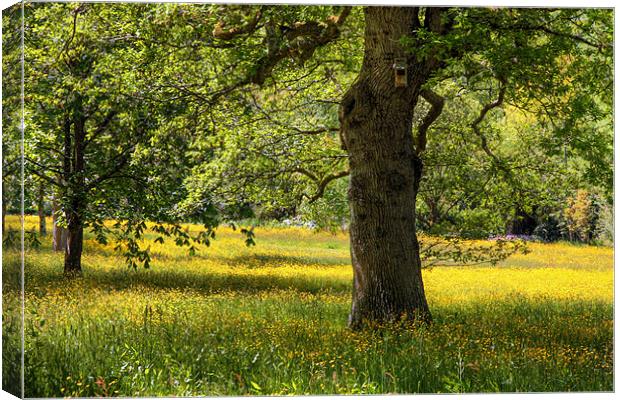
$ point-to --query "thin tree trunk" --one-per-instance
(433, 211)
(521, 223)
(73, 251)
(41, 211)
(74, 174)
(3, 215)
(59, 234)
(376, 125)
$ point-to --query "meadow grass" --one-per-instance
(271, 319)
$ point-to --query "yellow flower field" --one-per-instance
(271, 319)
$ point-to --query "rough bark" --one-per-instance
(74, 169)
(73, 250)
(376, 129)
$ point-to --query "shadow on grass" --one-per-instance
(39, 277)
(272, 260)
(253, 260)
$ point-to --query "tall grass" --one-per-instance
(272, 320)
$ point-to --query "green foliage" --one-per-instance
(270, 156)
(11, 108)
(87, 66)
(550, 133)
(465, 191)
(330, 211)
(218, 113)
(436, 250)
(249, 236)
(13, 240)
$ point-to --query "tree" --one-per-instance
(463, 192)
(65, 126)
(101, 133)
(11, 110)
(376, 118)
(59, 234)
(88, 117)
(554, 64)
(376, 122)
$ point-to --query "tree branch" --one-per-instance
(227, 34)
(543, 28)
(118, 164)
(42, 175)
(325, 181)
(483, 140)
(300, 131)
(51, 149)
(568, 36)
(65, 47)
(7, 166)
(437, 102)
(102, 127)
(298, 42)
(322, 184)
(304, 39)
(44, 167)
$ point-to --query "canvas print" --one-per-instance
(259, 199)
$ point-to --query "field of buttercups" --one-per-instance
(271, 319)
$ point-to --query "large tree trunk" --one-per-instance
(376, 125)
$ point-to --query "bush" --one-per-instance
(588, 218)
(12, 240)
(550, 229)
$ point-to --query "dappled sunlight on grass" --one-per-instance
(271, 319)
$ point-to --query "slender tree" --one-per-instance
(86, 119)
(11, 109)
(100, 133)
(41, 210)
(59, 234)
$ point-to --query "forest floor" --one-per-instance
(271, 319)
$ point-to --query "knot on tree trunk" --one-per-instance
(357, 191)
(396, 181)
(357, 106)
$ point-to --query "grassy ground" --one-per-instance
(271, 320)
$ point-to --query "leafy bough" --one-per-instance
(454, 251)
